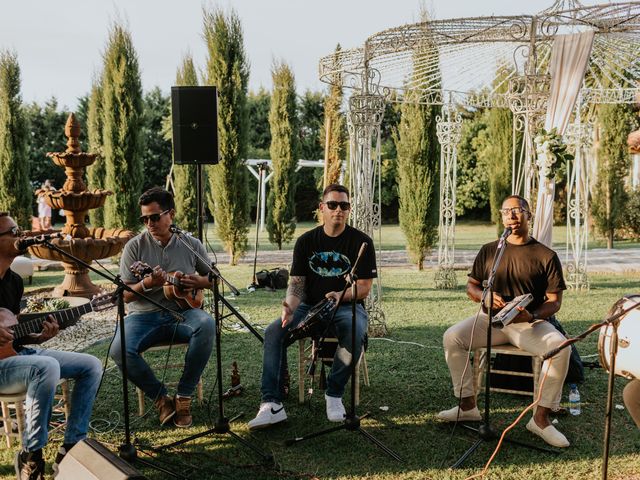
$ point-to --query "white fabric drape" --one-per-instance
(569, 59)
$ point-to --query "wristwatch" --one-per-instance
(145, 289)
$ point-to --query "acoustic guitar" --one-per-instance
(172, 289)
(65, 318)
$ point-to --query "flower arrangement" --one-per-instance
(551, 152)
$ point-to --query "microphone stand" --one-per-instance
(222, 424)
(127, 450)
(485, 431)
(212, 267)
(613, 321)
(352, 420)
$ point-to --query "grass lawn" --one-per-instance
(408, 375)
(469, 236)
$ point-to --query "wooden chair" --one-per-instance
(479, 359)
(326, 353)
(162, 347)
(14, 403)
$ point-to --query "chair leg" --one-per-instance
(66, 398)
(357, 380)
(20, 418)
(140, 401)
(199, 390)
(301, 376)
(6, 420)
(536, 364)
(365, 370)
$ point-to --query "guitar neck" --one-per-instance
(64, 317)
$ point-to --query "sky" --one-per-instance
(59, 43)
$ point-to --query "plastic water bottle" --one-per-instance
(574, 399)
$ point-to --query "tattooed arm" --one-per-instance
(295, 296)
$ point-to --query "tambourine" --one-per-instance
(315, 323)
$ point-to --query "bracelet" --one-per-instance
(145, 289)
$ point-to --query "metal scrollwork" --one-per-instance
(364, 117)
(449, 131)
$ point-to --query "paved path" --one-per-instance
(598, 260)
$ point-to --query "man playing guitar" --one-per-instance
(145, 325)
(38, 371)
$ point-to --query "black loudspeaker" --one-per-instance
(90, 460)
(194, 112)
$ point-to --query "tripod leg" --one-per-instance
(467, 454)
(380, 445)
(292, 441)
(267, 457)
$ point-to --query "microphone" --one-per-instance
(27, 242)
(503, 237)
(174, 229)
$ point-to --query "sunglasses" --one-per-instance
(332, 205)
(14, 231)
(154, 217)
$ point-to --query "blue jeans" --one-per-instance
(144, 330)
(39, 371)
(275, 352)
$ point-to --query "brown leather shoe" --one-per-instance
(166, 408)
(183, 418)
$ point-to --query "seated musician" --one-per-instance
(321, 258)
(526, 267)
(38, 371)
(146, 325)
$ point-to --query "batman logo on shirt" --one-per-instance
(329, 264)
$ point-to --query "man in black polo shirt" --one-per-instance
(38, 371)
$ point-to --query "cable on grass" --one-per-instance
(510, 427)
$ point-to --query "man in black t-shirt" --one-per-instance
(527, 266)
(38, 371)
(321, 259)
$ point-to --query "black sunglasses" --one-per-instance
(332, 205)
(154, 217)
(14, 231)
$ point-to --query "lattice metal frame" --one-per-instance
(579, 137)
(364, 117)
(449, 131)
(467, 54)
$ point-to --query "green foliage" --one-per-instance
(631, 213)
(228, 69)
(122, 112)
(82, 112)
(16, 195)
(184, 176)
(309, 180)
(389, 167)
(156, 151)
(335, 122)
(418, 170)
(258, 105)
(473, 174)
(615, 122)
(281, 222)
(96, 172)
(45, 133)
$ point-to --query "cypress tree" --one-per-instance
(281, 222)
(228, 69)
(418, 167)
(122, 123)
(96, 172)
(334, 121)
(184, 176)
(615, 122)
(15, 190)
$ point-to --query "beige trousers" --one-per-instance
(631, 395)
(537, 338)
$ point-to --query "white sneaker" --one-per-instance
(269, 414)
(335, 409)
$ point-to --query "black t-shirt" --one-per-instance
(324, 260)
(529, 268)
(11, 290)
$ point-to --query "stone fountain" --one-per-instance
(87, 244)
